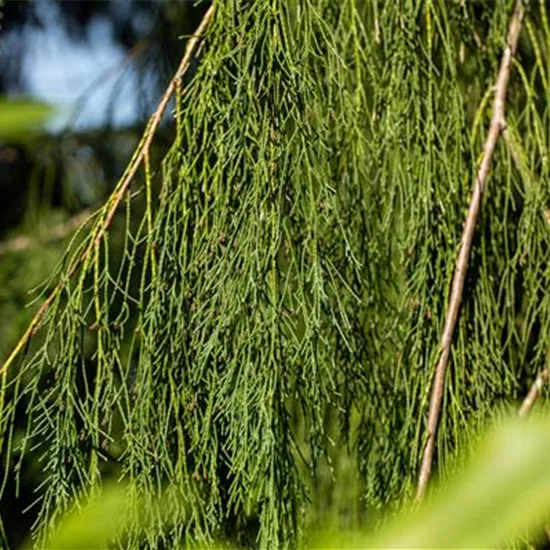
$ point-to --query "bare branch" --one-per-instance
(22, 242)
(496, 127)
(122, 187)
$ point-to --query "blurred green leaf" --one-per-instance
(97, 524)
(19, 117)
(501, 494)
(108, 516)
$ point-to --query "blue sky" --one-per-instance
(58, 70)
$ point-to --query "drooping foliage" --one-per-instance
(271, 299)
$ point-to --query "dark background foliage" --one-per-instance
(50, 177)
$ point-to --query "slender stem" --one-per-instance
(121, 188)
(496, 127)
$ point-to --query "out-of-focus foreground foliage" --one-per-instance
(498, 496)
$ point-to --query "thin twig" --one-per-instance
(123, 185)
(529, 402)
(496, 127)
(534, 392)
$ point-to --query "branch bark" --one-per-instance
(495, 129)
(118, 194)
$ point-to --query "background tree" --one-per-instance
(265, 310)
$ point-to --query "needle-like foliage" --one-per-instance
(273, 296)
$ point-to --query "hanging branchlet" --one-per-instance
(265, 315)
(497, 125)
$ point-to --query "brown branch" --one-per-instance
(496, 127)
(534, 392)
(122, 187)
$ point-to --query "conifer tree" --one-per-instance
(269, 302)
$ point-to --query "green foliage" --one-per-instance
(19, 117)
(277, 297)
